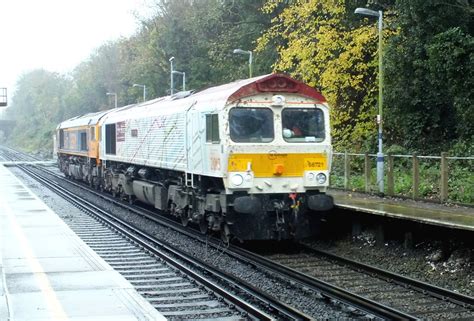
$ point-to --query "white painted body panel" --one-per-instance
(170, 133)
(88, 119)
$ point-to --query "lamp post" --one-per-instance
(144, 90)
(380, 156)
(115, 96)
(182, 73)
(171, 76)
(246, 52)
(3, 97)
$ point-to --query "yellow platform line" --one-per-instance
(55, 308)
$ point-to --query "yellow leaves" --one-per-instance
(319, 47)
(271, 5)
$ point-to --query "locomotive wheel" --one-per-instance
(184, 218)
(225, 233)
(203, 225)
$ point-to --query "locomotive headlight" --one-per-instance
(236, 179)
(315, 178)
(278, 100)
(241, 180)
(321, 178)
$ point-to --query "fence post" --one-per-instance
(346, 170)
(390, 175)
(367, 172)
(444, 178)
(416, 176)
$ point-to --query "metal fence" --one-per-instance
(437, 178)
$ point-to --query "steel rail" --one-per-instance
(327, 289)
(419, 286)
(144, 240)
(438, 292)
(330, 291)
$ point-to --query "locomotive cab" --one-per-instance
(279, 157)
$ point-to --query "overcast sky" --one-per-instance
(58, 34)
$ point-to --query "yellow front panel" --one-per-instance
(239, 164)
(264, 165)
(93, 149)
(315, 163)
(93, 143)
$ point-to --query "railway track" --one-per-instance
(418, 299)
(277, 308)
(211, 300)
(170, 291)
(356, 306)
(369, 289)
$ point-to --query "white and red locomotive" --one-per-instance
(249, 159)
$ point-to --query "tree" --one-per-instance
(201, 35)
(450, 61)
(320, 42)
(37, 107)
(428, 63)
(93, 78)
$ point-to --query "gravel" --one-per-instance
(445, 264)
(448, 264)
(307, 301)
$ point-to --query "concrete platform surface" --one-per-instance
(428, 213)
(48, 273)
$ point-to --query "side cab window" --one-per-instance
(212, 128)
(83, 141)
(110, 139)
(61, 138)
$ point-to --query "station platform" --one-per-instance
(456, 217)
(48, 273)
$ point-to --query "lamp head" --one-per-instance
(367, 12)
(240, 51)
